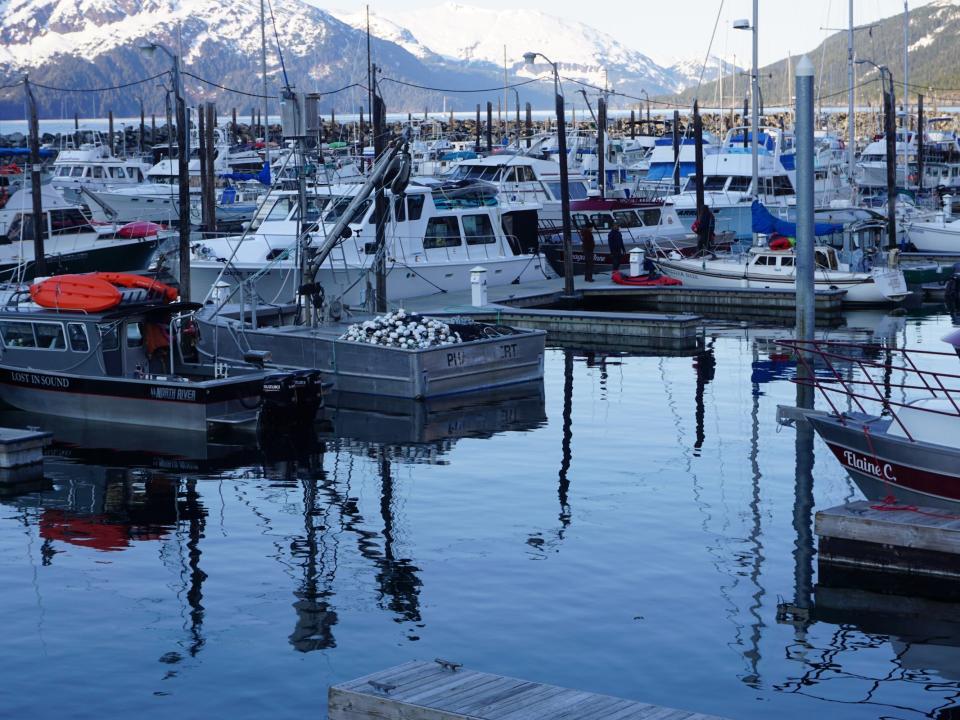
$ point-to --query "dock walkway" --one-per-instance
(445, 691)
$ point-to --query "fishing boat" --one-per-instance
(649, 224)
(72, 346)
(893, 423)
(84, 160)
(73, 243)
(437, 232)
(868, 275)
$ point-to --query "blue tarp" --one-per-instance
(664, 171)
(459, 155)
(262, 177)
(668, 140)
(17, 152)
(763, 140)
(764, 222)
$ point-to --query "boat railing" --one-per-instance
(837, 360)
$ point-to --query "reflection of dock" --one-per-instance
(442, 690)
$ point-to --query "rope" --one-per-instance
(100, 89)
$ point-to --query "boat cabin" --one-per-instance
(518, 177)
(778, 260)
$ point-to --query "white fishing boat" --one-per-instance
(939, 235)
(436, 233)
(765, 267)
(86, 161)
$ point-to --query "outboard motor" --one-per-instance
(278, 400)
(308, 393)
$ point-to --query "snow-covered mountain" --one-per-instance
(95, 43)
(482, 36)
(687, 72)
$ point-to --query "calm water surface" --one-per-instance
(628, 529)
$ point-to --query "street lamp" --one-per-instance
(755, 92)
(183, 168)
(528, 59)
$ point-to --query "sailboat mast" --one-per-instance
(263, 70)
(851, 118)
(369, 72)
(906, 66)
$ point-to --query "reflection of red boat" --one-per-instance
(643, 280)
(91, 531)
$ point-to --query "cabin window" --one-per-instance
(650, 216)
(77, 171)
(525, 174)
(17, 334)
(580, 220)
(626, 218)
(414, 207)
(714, 182)
(399, 208)
(280, 209)
(442, 232)
(762, 260)
(478, 230)
(97, 171)
(49, 336)
(109, 337)
(134, 336)
(602, 221)
(67, 221)
(78, 337)
(578, 191)
(739, 183)
(782, 186)
(786, 261)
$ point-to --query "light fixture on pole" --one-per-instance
(529, 58)
(743, 24)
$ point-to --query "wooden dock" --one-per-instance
(440, 690)
(921, 545)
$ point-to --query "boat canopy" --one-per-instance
(764, 222)
(23, 152)
(262, 177)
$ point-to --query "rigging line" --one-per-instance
(224, 87)
(100, 89)
(460, 90)
(703, 67)
(283, 66)
(18, 83)
(621, 94)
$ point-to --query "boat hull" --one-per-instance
(887, 465)
(861, 290)
(131, 401)
(279, 284)
(935, 237)
(111, 256)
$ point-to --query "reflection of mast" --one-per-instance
(196, 515)
(564, 484)
(315, 617)
(397, 578)
(752, 655)
(705, 364)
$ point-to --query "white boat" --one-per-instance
(520, 178)
(85, 161)
(940, 235)
(728, 179)
(436, 234)
(763, 267)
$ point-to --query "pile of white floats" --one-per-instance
(408, 331)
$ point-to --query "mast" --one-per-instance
(851, 118)
(906, 96)
(263, 68)
(506, 104)
(369, 72)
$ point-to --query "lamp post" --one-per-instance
(183, 167)
(755, 93)
(529, 59)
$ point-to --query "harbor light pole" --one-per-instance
(183, 166)
(529, 59)
(755, 95)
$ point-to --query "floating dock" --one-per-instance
(891, 544)
(21, 458)
(442, 690)
(604, 295)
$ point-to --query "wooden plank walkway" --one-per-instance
(438, 690)
(915, 541)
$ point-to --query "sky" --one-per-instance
(681, 29)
